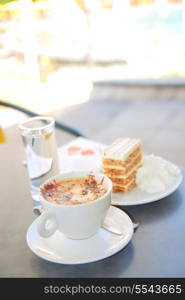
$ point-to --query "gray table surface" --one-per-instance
(156, 250)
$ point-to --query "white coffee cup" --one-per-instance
(78, 221)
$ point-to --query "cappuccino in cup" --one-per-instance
(75, 203)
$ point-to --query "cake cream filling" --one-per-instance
(127, 174)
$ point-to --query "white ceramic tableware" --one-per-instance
(78, 221)
(60, 249)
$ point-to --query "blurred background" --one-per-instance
(46, 44)
(59, 55)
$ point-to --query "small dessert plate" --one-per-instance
(62, 250)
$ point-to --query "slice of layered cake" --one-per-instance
(120, 162)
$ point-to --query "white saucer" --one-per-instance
(137, 197)
(60, 249)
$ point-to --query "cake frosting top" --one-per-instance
(121, 148)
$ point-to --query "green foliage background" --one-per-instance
(5, 1)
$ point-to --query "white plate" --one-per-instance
(60, 249)
(137, 197)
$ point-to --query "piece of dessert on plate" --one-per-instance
(120, 162)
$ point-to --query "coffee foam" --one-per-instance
(74, 191)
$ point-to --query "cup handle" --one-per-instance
(42, 226)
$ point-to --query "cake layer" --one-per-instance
(122, 163)
(121, 148)
(124, 188)
(112, 170)
(122, 180)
